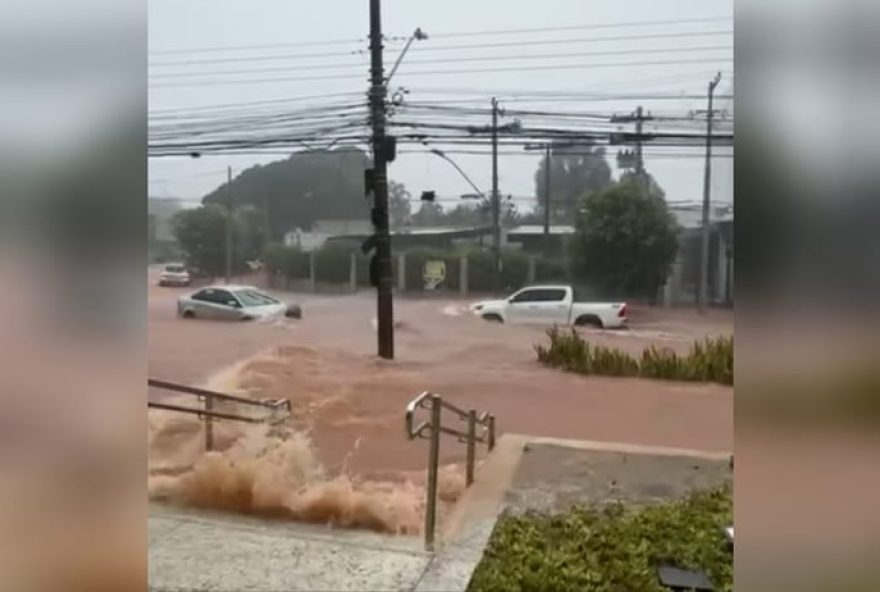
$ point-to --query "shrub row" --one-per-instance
(710, 360)
(609, 549)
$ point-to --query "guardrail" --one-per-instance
(431, 429)
(207, 412)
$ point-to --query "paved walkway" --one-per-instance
(212, 552)
(205, 551)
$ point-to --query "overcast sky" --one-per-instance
(178, 26)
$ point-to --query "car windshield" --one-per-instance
(175, 268)
(254, 298)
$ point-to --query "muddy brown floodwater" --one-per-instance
(347, 440)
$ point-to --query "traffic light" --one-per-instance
(368, 181)
(390, 148)
(428, 196)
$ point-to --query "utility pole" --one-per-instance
(640, 164)
(547, 200)
(639, 118)
(228, 224)
(384, 304)
(703, 288)
(496, 200)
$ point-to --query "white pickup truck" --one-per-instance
(551, 305)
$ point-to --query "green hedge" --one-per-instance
(288, 261)
(609, 549)
(710, 360)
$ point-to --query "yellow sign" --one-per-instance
(434, 274)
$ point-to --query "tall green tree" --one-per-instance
(575, 171)
(201, 234)
(625, 240)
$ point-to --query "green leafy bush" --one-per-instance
(550, 271)
(288, 261)
(609, 549)
(710, 360)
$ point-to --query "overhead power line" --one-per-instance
(503, 58)
(584, 27)
(252, 47)
(441, 35)
(446, 72)
(443, 48)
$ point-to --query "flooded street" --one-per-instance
(352, 403)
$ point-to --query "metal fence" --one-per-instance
(275, 409)
(431, 429)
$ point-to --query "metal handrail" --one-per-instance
(200, 392)
(202, 412)
(431, 429)
(208, 414)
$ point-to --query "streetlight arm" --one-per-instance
(418, 34)
(445, 157)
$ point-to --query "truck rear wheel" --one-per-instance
(589, 321)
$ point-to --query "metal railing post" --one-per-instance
(471, 444)
(209, 424)
(433, 462)
(491, 436)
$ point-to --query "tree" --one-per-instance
(468, 214)
(625, 240)
(399, 205)
(201, 234)
(430, 214)
(575, 171)
(297, 191)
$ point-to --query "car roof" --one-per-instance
(546, 286)
(230, 287)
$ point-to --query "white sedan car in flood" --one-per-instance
(234, 303)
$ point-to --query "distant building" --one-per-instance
(305, 240)
(341, 227)
(436, 237)
(324, 230)
(531, 239)
(682, 285)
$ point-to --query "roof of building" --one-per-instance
(539, 229)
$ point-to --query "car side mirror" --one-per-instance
(233, 304)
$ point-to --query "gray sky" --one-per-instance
(202, 24)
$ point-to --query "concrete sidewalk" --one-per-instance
(212, 552)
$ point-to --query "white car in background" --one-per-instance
(234, 303)
(174, 274)
(552, 305)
